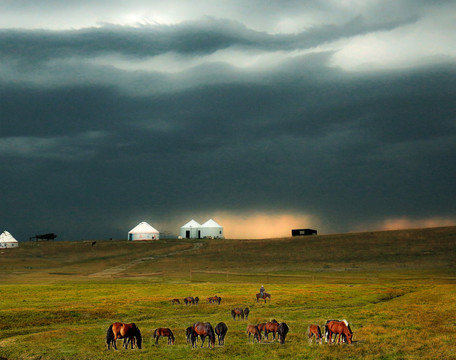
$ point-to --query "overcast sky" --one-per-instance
(264, 115)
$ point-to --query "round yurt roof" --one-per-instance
(6, 237)
(143, 228)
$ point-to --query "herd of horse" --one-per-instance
(274, 327)
(131, 335)
(195, 300)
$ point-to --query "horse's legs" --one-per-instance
(156, 339)
(203, 337)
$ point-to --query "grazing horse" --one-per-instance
(315, 331)
(188, 334)
(175, 301)
(221, 330)
(197, 299)
(214, 299)
(271, 326)
(344, 339)
(164, 332)
(253, 330)
(264, 296)
(338, 328)
(189, 300)
(203, 330)
(282, 331)
(128, 332)
(237, 312)
(246, 313)
(261, 327)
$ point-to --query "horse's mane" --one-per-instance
(109, 335)
(137, 334)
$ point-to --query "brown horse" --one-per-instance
(253, 330)
(315, 331)
(344, 339)
(239, 312)
(338, 328)
(271, 327)
(264, 296)
(282, 331)
(164, 332)
(221, 329)
(175, 301)
(128, 332)
(203, 330)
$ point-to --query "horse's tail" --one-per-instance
(319, 332)
(155, 334)
(109, 336)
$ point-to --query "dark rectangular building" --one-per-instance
(303, 232)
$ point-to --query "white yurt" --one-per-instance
(191, 230)
(143, 231)
(7, 240)
(211, 229)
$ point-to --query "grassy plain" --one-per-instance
(397, 289)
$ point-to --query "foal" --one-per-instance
(315, 331)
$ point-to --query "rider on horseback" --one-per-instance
(262, 291)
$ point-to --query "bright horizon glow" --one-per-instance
(404, 223)
(263, 225)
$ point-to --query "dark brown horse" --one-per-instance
(315, 331)
(188, 334)
(338, 328)
(253, 330)
(128, 332)
(189, 300)
(282, 331)
(264, 296)
(175, 301)
(203, 330)
(214, 299)
(271, 327)
(239, 312)
(221, 329)
(164, 332)
(246, 313)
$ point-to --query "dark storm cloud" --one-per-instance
(334, 151)
(193, 38)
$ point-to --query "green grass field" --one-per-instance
(397, 289)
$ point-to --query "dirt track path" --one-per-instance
(120, 268)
